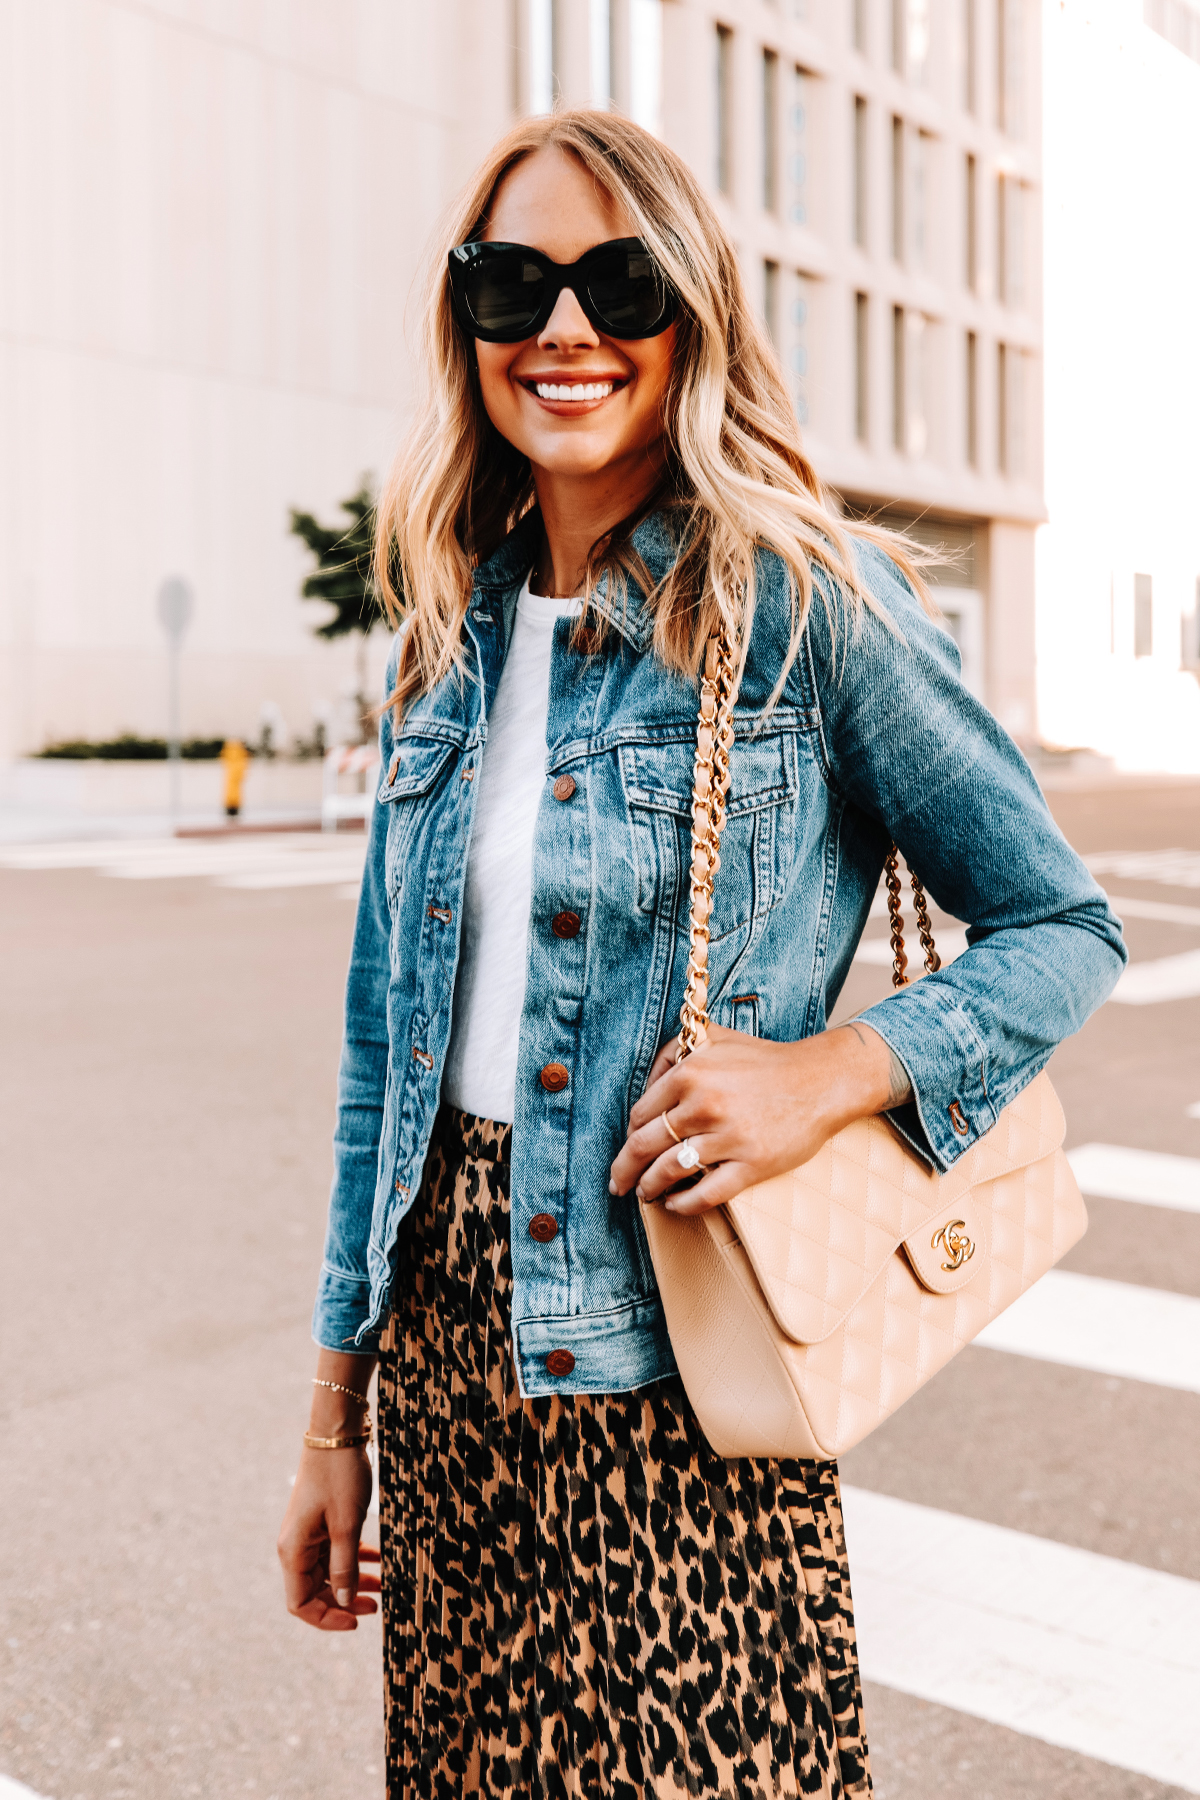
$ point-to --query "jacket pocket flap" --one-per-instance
(415, 766)
(818, 1236)
(659, 776)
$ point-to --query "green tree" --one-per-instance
(343, 579)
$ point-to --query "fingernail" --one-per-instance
(612, 1187)
(343, 1597)
(639, 1193)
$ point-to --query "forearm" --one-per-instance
(867, 1076)
(334, 1413)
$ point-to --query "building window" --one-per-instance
(645, 63)
(970, 34)
(1143, 615)
(798, 116)
(600, 52)
(918, 195)
(724, 104)
(1178, 22)
(860, 171)
(898, 377)
(860, 26)
(542, 60)
(971, 377)
(799, 355)
(770, 131)
(916, 40)
(862, 420)
(1010, 240)
(1010, 67)
(771, 301)
(971, 225)
(898, 189)
(1010, 409)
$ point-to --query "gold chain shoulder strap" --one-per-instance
(710, 785)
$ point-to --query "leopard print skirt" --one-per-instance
(580, 1597)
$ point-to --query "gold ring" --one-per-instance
(674, 1134)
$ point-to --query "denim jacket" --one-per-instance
(873, 738)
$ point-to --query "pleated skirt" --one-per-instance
(579, 1596)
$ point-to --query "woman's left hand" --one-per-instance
(752, 1109)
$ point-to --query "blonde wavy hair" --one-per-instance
(736, 478)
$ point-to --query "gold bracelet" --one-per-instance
(337, 1443)
(337, 1388)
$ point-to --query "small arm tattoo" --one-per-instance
(900, 1089)
(899, 1086)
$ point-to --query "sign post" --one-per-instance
(174, 612)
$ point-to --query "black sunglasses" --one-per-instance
(505, 292)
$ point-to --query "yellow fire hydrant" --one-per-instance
(235, 757)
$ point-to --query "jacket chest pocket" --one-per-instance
(756, 844)
(417, 768)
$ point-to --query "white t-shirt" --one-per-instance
(481, 1063)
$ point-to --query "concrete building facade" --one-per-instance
(212, 215)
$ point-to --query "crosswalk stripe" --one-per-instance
(1146, 1177)
(1173, 868)
(1126, 907)
(1166, 978)
(1080, 1650)
(1108, 1327)
(878, 951)
(283, 860)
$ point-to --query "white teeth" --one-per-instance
(579, 390)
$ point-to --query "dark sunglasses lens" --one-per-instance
(504, 292)
(628, 292)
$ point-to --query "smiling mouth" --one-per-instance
(574, 390)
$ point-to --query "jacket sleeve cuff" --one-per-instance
(342, 1308)
(946, 1063)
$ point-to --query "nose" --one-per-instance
(567, 328)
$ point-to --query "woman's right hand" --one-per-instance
(319, 1539)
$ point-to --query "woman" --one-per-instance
(579, 1595)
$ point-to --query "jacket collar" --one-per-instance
(505, 570)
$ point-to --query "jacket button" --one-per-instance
(565, 924)
(554, 1078)
(560, 1362)
(543, 1228)
(564, 787)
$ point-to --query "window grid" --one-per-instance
(860, 171)
(971, 421)
(724, 104)
(898, 378)
(1143, 615)
(770, 131)
(862, 418)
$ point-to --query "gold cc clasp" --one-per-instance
(953, 1239)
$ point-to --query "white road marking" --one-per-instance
(1173, 868)
(1147, 1177)
(878, 951)
(1166, 978)
(1126, 907)
(1095, 1655)
(1108, 1327)
(270, 860)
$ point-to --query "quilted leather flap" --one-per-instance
(818, 1236)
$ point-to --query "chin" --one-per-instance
(562, 456)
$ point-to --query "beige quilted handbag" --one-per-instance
(810, 1307)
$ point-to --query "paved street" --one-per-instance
(1024, 1535)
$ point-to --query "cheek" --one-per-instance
(494, 386)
